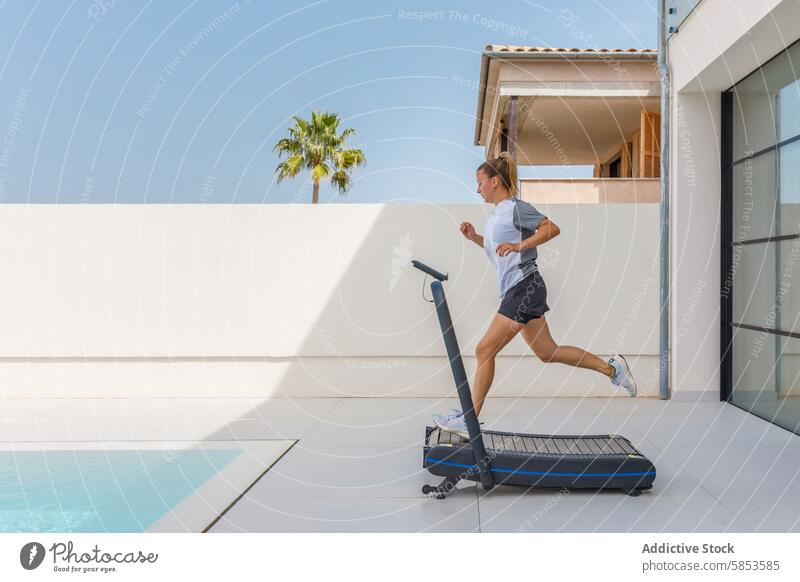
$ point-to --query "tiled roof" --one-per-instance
(510, 48)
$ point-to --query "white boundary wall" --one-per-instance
(294, 300)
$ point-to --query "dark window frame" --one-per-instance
(727, 164)
(726, 237)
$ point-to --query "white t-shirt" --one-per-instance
(512, 220)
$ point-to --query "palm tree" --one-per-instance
(317, 147)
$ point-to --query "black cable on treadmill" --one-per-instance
(425, 280)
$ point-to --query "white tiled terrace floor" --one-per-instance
(355, 464)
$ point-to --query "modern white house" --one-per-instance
(734, 186)
(734, 198)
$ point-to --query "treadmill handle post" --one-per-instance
(462, 384)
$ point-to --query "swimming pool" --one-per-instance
(118, 490)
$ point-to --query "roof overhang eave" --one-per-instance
(486, 56)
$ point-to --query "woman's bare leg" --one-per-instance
(537, 336)
(501, 330)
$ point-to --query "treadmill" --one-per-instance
(492, 457)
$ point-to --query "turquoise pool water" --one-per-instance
(99, 491)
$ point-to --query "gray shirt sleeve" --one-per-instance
(526, 217)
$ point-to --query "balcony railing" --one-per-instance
(680, 11)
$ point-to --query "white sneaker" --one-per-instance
(623, 376)
(453, 422)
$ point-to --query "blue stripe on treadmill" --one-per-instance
(496, 470)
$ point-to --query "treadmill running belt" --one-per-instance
(542, 444)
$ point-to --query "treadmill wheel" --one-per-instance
(431, 489)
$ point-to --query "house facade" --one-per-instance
(734, 182)
(735, 192)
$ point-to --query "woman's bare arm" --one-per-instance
(544, 233)
(469, 233)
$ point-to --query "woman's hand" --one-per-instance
(507, 247)
(468, 231)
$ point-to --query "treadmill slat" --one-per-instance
(512, 444)
(605, 446)
(615, 446)
(597, 447)
(503, 442)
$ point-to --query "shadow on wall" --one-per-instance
(352, 320)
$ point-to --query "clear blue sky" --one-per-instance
(183, 101)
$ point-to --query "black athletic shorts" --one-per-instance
(526, 300)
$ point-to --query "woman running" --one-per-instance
(512, 232)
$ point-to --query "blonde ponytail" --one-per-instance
(505, 168)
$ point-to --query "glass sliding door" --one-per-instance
(760, 298)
